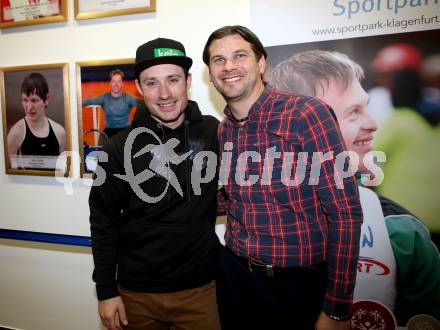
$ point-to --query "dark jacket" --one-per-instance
(162, 246)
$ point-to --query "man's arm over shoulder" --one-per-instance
(339, 198)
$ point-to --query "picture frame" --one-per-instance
(87, 9)
(36, 118)
(94, 80)
(15, 13)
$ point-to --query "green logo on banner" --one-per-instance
(160, 52)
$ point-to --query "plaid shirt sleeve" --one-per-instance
(339, 198)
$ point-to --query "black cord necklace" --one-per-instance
(240, 120)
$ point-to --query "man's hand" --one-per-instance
(326, 323)
(107, 311)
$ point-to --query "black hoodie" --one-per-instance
(165, 246)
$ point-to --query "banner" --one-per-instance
(377, 64)
(294, 21)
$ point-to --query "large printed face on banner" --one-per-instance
(350, 106)
(394, 109)
(397, 44)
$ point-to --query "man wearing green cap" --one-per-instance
(153, 238)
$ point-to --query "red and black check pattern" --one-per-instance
(290, 224)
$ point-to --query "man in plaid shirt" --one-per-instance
(293, 210)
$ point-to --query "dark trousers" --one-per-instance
(252, 301)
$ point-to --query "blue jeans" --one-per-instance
(247, 300)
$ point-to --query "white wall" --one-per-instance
(46, 286)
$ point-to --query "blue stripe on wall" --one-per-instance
(45, 237)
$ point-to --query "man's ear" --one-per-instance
(138, 87)
(188, 80)
(46, 101)
(262, 64)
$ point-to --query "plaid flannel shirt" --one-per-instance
(291, 223)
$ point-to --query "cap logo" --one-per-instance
(160, 52)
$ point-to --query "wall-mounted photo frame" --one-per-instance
(86, 9)
(36, 117)
(107, 100)
(15, 13)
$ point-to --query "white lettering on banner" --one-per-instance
(351, 8)
(289, 21)
(402, 24)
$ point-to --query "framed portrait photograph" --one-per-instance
(28, 12)
(107, 100)
(86, 9)
(36, 117)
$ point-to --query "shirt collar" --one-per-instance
(256, 107)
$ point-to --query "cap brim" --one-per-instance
(182, 61)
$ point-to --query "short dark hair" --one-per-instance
(35, 83)
(115, 72)
(243, 32)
